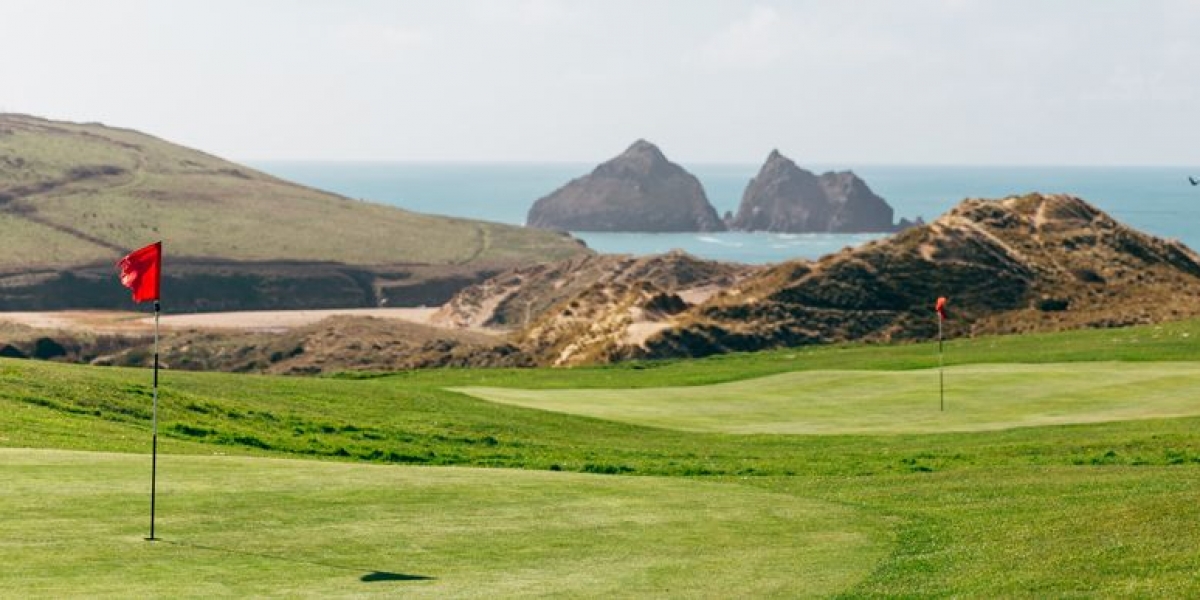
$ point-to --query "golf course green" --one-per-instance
(75, 524)
(981, 397)
(1062, 465)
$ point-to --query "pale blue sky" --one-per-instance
(1085, 82)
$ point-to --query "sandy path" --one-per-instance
(97, 321)
(286, 319)
(101, 321)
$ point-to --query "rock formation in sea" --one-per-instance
(638, 191)
(787, 199)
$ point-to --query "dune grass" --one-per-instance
(75, 524)
(981, 397)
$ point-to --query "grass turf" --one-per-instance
(235, 526)
(981, 398)
(1095, 509)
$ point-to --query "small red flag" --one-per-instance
(140, 272)
(940, 307)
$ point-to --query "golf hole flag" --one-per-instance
(141, 271)
(940, 307)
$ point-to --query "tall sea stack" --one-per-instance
(787, 199)
(638, 191)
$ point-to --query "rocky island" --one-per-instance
(784, 198)
(638, 191)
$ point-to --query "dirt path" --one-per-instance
(121, 322)
(95, 321)
(286, 319)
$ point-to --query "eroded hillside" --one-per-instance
(1019, 264)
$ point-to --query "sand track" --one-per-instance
(134, 323)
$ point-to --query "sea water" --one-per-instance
(1157, 200)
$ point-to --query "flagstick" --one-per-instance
(941, 370)
(154, 421)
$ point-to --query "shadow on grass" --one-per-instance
(371, 577)
(385, 576)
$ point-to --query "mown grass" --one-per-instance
(981, 398)
(1174, 341)
(75, 524)
(1099, 509)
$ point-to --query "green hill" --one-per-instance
(74, 196)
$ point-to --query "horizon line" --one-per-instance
(838, 164)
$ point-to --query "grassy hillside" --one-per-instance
(73, 194)
(931, 511)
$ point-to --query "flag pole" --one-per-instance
(941, 369)
(154, 428)
(141, 272)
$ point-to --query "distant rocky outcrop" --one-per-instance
(638, 191)
(787, 199)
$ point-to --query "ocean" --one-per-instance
(1157, 200)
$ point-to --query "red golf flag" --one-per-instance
(140, 272)
(940, 307)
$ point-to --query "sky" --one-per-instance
(947, 82)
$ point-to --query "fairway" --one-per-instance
(978, 398)
(74, 526)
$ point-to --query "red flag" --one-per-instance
(940, 307)
(140, 272)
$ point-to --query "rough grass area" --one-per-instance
(1095, 531)
(74, 526)
(980, 398)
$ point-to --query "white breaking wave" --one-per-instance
(714, 240)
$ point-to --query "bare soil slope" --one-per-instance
(563, 313)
